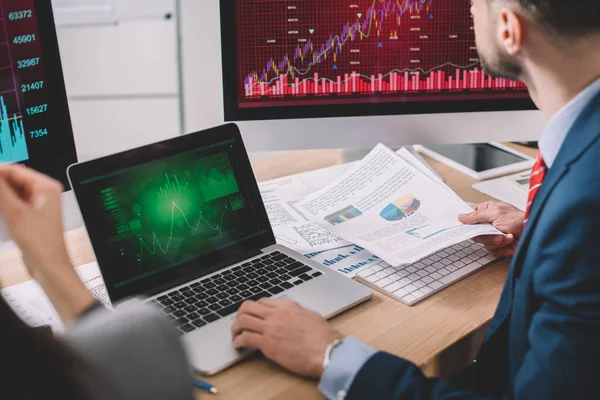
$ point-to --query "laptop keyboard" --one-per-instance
(209, 299)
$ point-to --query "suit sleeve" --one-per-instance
(562, 358)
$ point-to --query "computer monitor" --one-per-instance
(416, 59)
(35, 126)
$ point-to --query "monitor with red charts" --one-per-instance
(328, 58)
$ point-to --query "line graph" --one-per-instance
(340, 49)
(155, 242)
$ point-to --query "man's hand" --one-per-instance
(286, 333)
(505, 218)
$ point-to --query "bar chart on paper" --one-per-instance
(13, 145)
(341, 50)
(347, 260)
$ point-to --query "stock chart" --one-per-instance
(336, 51)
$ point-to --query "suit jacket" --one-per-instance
(544, 340)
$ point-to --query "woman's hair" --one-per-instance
(34, 365)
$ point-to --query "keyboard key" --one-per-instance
(262, 279)
(256, 261)
(222, 288)
(272, 275)
(211, 317)
(300, 271)
(419, 265)
(460, 273)
(435, 275)
(418, 294)
(219, 281)
(279, 257)
(203, 311)
(435, 285)
(443, 271)
(177, 297)
(180, 305)
(192, 316)
(215, 307)
(373, 278)
(286, 285)
(382, 274)
(451, 268)
(255, 289)
(225, 303)
(168, 310)
(446, 261)
(459, 264)
(232, 291)
(166, 301)
(192, 300)
(235, 306)
(227, 273)
(190, 309)
(427, 261)
(402, 273)
(252, 275)
(243, 286)
(430, 269)
(245, 294)
(202, 296)
(376, 268)
(200, 304)
(276, 290)
(265, 285)
(222, 295)
(427, 279)
(400, 293)
(289, 260)
(453, 258)
(409, 299)
(419, 284)
(410, 269)
(316, 274)
(435, 257)
(473, 257)
(179, 313)
(180, 321)
(426, 290)
(198, 323)
(384, 282)
(271, 268)
(204, 281)
(280, 264)
(366, 272)
(410, 288)
(235, 298)
(443, 253)
(285, 277)
(393, 287)
(422, 273)
(275, 281)
(212, 300)
(164, 297)
(209, 285)
(212, 292)
(414, 277)
(294, 265)
(298, 282)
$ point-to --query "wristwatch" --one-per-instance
(329, 352)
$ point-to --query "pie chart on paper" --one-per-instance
(401, 208)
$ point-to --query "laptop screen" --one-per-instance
(193, 208)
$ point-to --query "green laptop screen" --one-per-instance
(160, 214)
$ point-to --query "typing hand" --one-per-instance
(286, 333)
(505, 218)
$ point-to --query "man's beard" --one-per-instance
(503, 67)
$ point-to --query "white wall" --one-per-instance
(203, 103)
(122, 80)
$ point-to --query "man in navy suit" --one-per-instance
(544, 341)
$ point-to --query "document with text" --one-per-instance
(392, 207)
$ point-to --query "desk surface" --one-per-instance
(419, 333)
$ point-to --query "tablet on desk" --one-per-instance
(479, 160)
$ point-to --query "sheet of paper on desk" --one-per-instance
(29, 301)
(389, 207)
(348, 261)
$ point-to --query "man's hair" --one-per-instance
(564, 17)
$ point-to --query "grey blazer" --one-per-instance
(134, 353)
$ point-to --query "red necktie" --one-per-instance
(537, 177)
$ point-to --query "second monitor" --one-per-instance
(359, 72)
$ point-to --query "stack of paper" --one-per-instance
(389, 206)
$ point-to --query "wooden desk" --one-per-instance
(449, 325)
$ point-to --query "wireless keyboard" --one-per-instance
(412, 283)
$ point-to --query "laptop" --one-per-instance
(181, 225)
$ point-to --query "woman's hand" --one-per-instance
(30, 204)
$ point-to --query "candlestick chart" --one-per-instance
(336, 51)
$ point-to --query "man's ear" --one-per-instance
(511, 31)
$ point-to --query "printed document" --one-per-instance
(397, 211)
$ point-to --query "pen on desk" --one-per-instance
(204, 386)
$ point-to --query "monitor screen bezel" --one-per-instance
(233, 112)
(185, 271)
